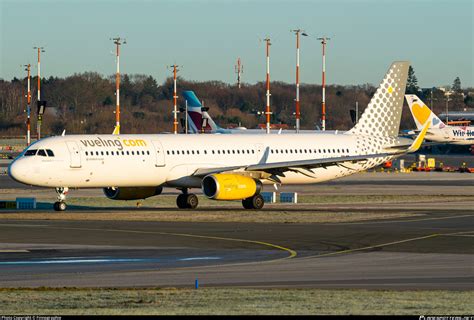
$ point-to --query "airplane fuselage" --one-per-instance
(96, 161)
(453, 135)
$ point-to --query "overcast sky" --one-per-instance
(207, 37)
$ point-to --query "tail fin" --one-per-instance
(421, 113)
(198, 119)
(382, 115)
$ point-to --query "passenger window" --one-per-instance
(192, 151)
(253, 151)
(87, 153)
(205, 152)
(106, 152)
(42, 153)
(212, 151)
(31, 152)
(128, 153)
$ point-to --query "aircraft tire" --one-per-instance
(181, 201)
(60, 206)
(192, 201)
(254, 202)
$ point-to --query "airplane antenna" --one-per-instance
(239, 69)
(118, 42)
(40, 109)
(297, 32)
(175, 100)
(28, 106)
(324, 40)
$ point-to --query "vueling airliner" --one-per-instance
(225, 167)
(438, 131)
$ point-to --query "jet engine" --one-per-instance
(132, 193)
(224, 186)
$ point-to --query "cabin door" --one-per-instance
(159, 153)
(74, 154)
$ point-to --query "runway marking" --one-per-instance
(72, 261)
(400, 221)
(386, 244)
(200, 258)
(291, 253)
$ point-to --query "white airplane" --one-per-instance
(226, 167)
(438, 130)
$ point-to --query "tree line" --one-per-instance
(85, 103)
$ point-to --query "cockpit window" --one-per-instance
(30, 152)
(42, 153)
(50, 153)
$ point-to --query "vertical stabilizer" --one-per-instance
(382, 115)
(421, 113)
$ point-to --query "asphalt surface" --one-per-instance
(436, 251)
(432, 250)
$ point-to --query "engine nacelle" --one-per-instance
(225, 186)
(132, 193)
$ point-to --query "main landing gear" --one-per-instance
(187, 200)
(60, 205)
(254, 202)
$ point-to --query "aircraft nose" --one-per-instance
(16, 172)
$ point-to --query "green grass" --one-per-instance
(233, 301)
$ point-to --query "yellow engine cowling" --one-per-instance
(132, 193)
(223, 186)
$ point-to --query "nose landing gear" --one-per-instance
(61, 205)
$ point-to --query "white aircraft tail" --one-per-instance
(421, 113)
(382, 115)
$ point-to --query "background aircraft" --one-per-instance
(438, 130)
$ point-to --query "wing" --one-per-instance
(275, 169)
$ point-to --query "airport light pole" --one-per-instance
(118, 42)
(28, 106)
(175, 100)
(447, 94)
(297, 32)
(40, 115)
(267, 110)
(324, 40)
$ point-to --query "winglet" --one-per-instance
(419, 139)
(116, 130)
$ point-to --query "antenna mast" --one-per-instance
(239, 69)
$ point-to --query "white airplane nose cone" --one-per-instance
(15, 172)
